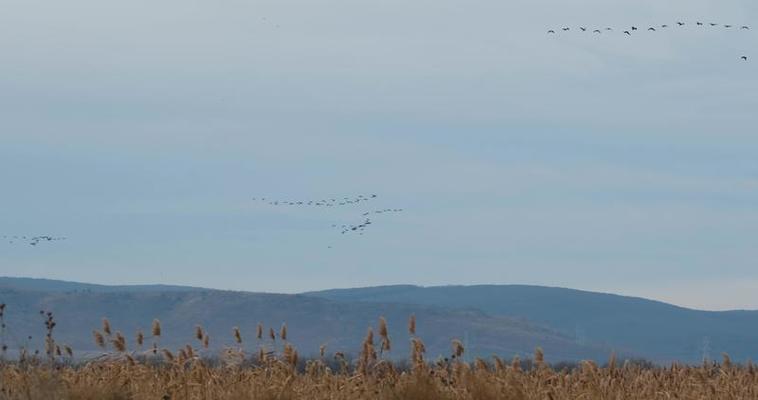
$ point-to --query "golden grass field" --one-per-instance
(275, 371)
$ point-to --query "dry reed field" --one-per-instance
(275, 371)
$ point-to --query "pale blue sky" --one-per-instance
(141, 130)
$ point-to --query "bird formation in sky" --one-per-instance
(345, 229)
(331, 202)
(360, 228)
(653, 28)
(386, 210)
(31, 240)
(630, 31)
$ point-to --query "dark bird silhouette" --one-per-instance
(680, 23)
(566, 29)
(583, 28)
(745, 27)
(628, 33)
(32, 240)
(596, 31)
(634, 28)
(608, 29)
(664, 26)
(699, 23)
(551, 31)
(727, 26)
(744, 58)
(651, 29)
(713, 24)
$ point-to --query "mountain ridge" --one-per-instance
(311, 321)
(656, 329)
(585, 323)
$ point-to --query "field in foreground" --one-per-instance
(270, 368)
(277, 379)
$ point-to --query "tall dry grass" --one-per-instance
(275, 371)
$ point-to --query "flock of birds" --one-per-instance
(31, 240)
(359, 228)
(345, 229)
(335, 202)
(633, 29)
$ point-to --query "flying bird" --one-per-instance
(634, 28)
(628, 33)
(744, 58)
(680, 23)
(664, 26)
(727, 26)
(566, 29)
(596, 31)
(745, 27)
(699, 23)
(713, 24)
(583, 28)
(551, 31)
(651, 29)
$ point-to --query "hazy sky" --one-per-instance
(141, 130)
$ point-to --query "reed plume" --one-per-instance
(539, 356)
(237, 335)
(261, 355)
(130, 360)
(383, 327)
(283, 332)
(499, 364)
(140, 339)
(99, 339)
(412, 325)
(417, 352)
(726, 362)
(119, 342)
(199, 332)
(457, 348)
(168, 355)
(106, 327)
(156, 328)
(516, 363)
(384, 335)
(290, 355)
(259, 331)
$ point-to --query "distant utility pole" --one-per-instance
(579, 336)
(706, 349)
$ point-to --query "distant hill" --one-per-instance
(312, 321)
(654, 329)
(50, 285)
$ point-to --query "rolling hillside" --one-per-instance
(312, 321)
(657, 330)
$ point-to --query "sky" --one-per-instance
(142, 130)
